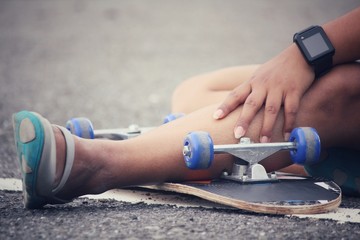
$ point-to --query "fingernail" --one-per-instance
(239, 132)
(286, 136)
(218, 114)
(264, 139)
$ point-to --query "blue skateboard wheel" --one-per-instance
(172, 117)
(308, 146)
(198, 150)
(81, 127)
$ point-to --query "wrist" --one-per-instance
(299, 61)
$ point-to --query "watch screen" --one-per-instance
(315, 45)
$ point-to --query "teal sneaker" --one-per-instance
(36, 152)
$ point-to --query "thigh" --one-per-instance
(210, 88)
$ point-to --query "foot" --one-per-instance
(46, 156)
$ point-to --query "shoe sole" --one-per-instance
(29, 140)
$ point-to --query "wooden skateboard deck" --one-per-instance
(287, 196)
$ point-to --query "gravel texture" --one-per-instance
(108, 219)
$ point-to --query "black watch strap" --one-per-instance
(322, 66)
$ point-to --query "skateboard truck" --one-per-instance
(247, 173)
(199, 150)
(82, 127)
(131, 131)
(246, 167)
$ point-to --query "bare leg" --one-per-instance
(210, 88)
(157, 156)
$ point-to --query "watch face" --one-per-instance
(315, 45)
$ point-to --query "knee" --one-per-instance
(179, 99)
(181, 91)
(186, 93)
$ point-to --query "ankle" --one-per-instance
(60, 154)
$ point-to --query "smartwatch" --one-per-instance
(316, 48)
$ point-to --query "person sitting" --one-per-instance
(262, 102)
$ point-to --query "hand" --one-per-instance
(281, 81)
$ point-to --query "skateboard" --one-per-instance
(290, 195)
(248, 186)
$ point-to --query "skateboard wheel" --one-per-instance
(307, 146)
(198, 150)
(81, 127)
(172, 117)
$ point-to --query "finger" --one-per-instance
(272, 108)
(251, 106)
(291, 107)
(236, 97)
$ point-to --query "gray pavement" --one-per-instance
(117, 62)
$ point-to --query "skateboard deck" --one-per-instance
(289, 195)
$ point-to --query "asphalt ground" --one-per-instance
(117, 62)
